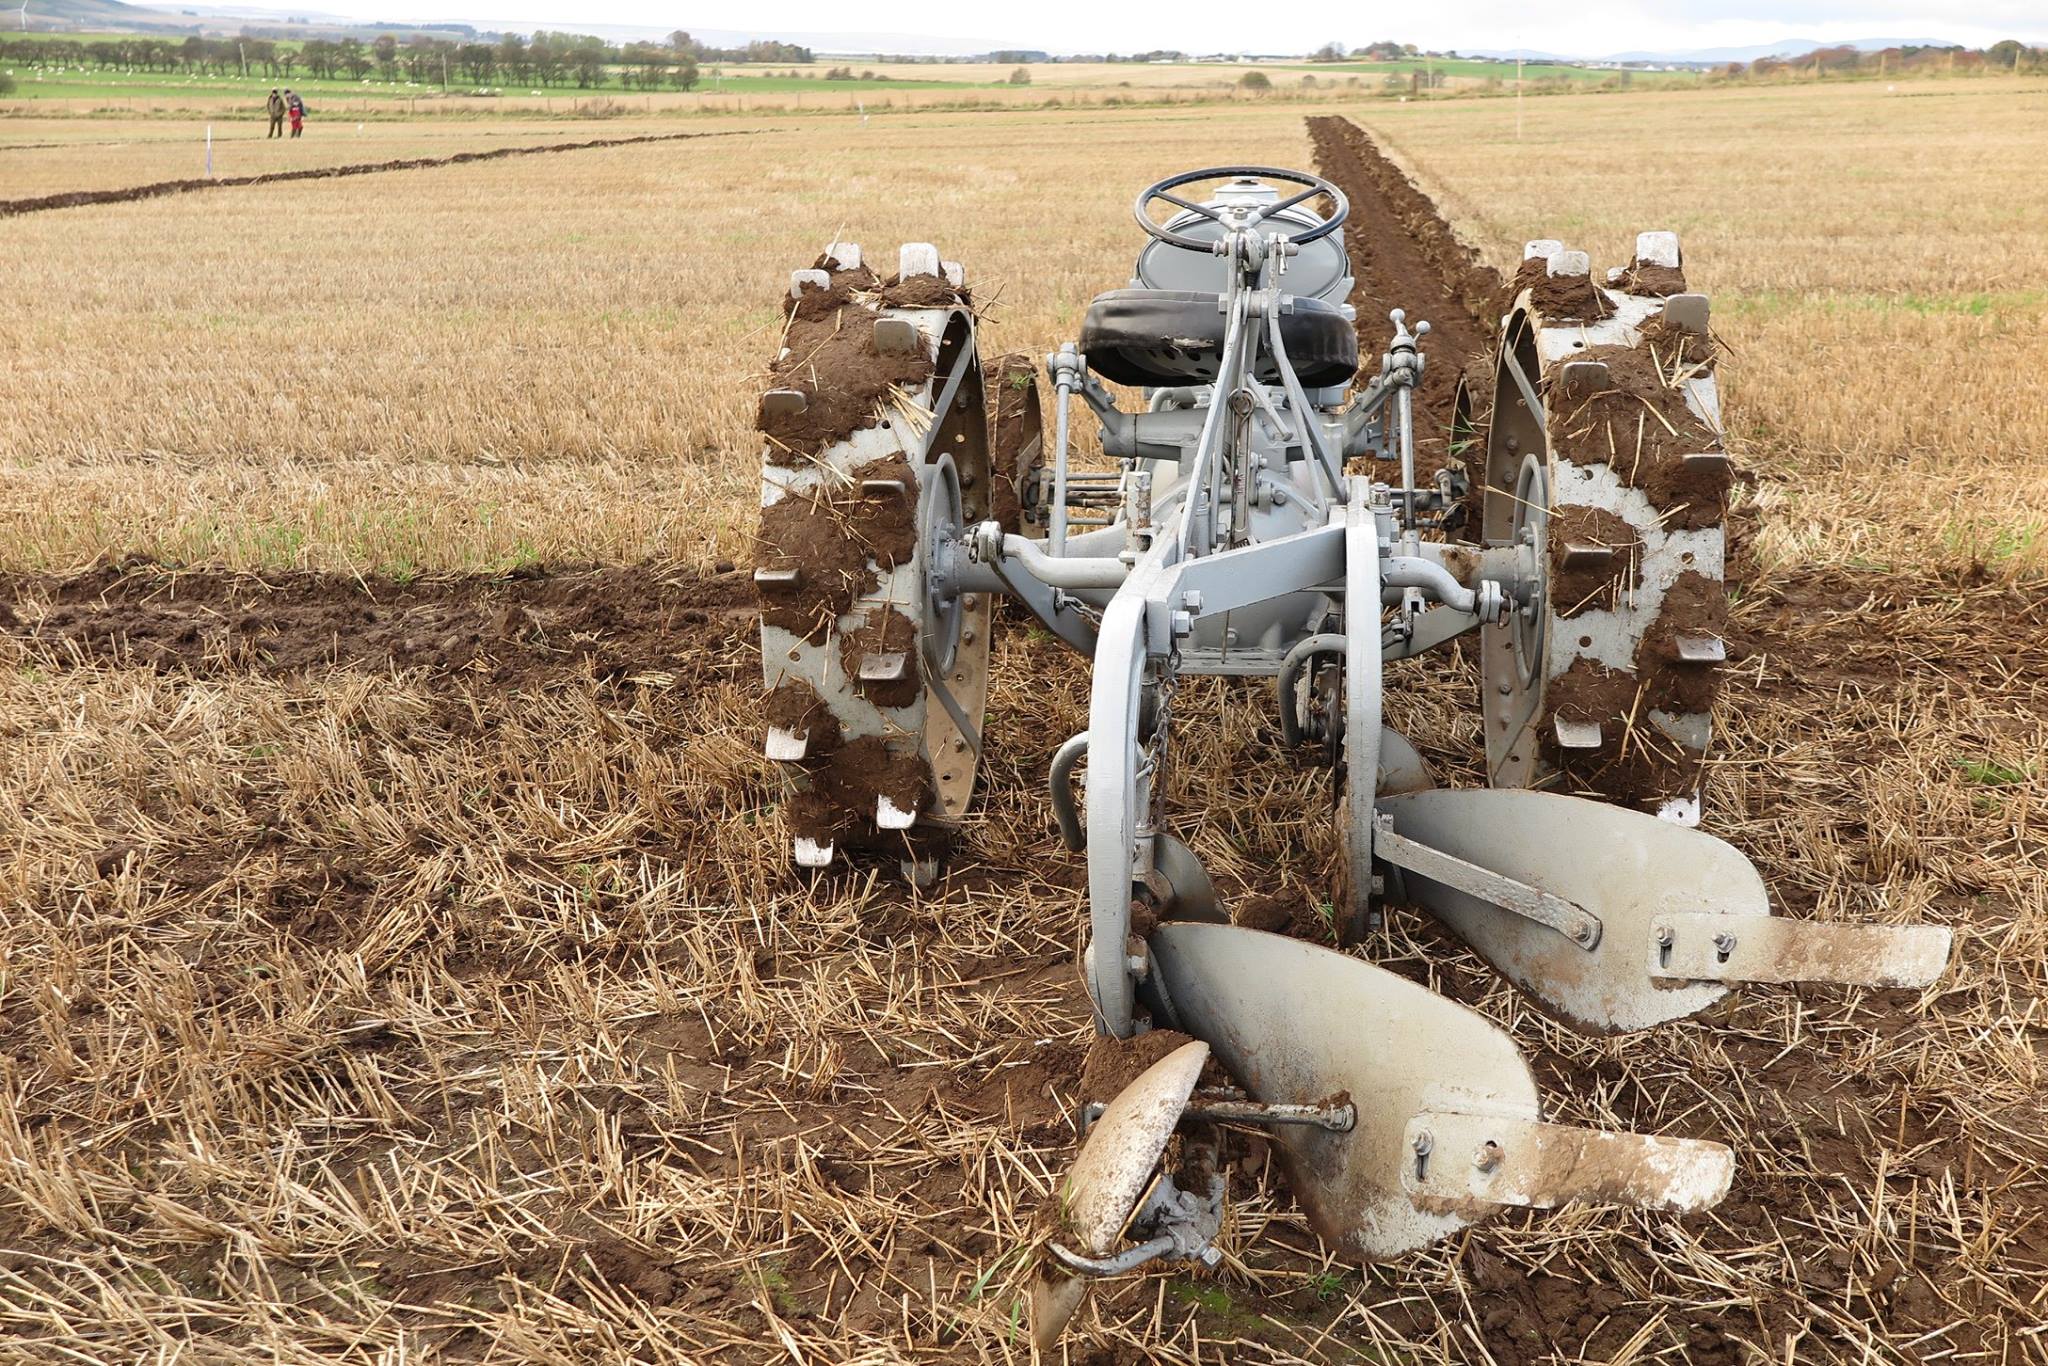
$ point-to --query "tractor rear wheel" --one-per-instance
(877, 450)
(1604, 457)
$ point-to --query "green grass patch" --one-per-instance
(748, 85)
(1214, 1300)
(1977, 304)
(1993, 773)
(32, 85)
(1993, 546)
(1328, 1285)
(776, 1282)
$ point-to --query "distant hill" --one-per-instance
(1790, 47)
(104, 16)
(115, 16)
(1704, 56)
(1509, 54)
(197, 16)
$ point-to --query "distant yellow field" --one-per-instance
(551, 356)
(745, 91)
(1880, 274)
(42, 156)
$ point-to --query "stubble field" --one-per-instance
(398, 961)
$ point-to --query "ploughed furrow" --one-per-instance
(77, 199)
(1404, 255)
(507, 631)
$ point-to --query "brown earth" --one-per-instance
(830, 357)
(923, 291)
(647, 645)
(838, 538)
(1011, 384)
(1635, 761)
(1114, 1064)
(1693, 605)
(1566, 298)
(1638, 424)
(517, 630)
(1404, 255)
(884, 632)
(1641, 277)
(1679, 353)
(1579, 589)
(1823, 637)
(839, 803)
(795, 706)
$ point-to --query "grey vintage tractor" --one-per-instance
(1228, 529)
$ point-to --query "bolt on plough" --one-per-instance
(907, 483)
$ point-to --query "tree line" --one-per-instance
(2009, 55)
(545, 59)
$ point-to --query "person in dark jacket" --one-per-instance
(276, 110)
(296, 109)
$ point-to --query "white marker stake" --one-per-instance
(209, 151)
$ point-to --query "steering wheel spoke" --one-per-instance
(1271, 209)
(1189, 205)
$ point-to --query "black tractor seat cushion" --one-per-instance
(1158, 338)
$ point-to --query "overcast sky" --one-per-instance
(1587, 27)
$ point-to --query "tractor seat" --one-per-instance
(1158, 338)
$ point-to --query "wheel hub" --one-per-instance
(1530, 531)
(940, 527)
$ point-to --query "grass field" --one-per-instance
(766, 96)
(1467, 69)
(98, 85)
(729, 85)
(400, 966)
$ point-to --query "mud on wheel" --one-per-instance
(877, 443)
(1604, 456)
(1016, 442)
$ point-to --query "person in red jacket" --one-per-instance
(296, 108)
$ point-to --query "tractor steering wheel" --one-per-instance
(1316, 186)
